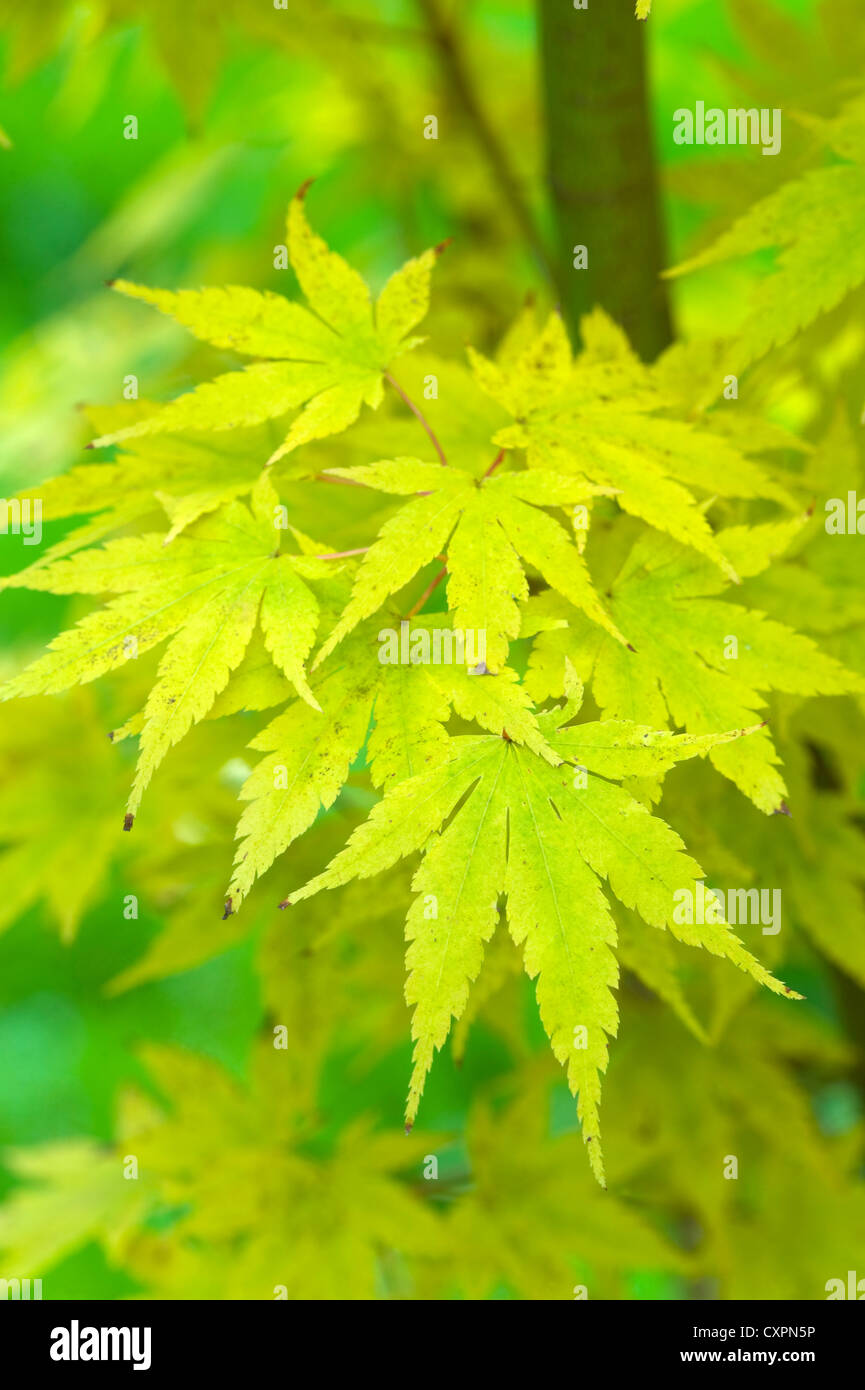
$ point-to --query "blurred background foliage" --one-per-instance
(157, 1026)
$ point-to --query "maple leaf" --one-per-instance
(485, 525)
(209, 591)
(179, 476)
(596, 416)
(331, 359)
(821, 259)
(512, 823)
(402, 709)
(684, 667)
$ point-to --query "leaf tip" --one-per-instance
(442, 246)
(128, 820)
(303, 190)
(229, 909)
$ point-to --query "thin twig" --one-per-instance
(341, 554)
(347, 482)
(425, 595)
(495, 463)
(420, 415)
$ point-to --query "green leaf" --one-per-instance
(700, 662)
(597, 417)
(547, 838)
(485, 526)
(401, 708)
(821, 260)
(207, 591)
(329, 359)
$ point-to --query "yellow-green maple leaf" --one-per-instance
(208, 591)
(485, 525)
(181, 476)
(597, 416)
(329, 359)
(821, 259)
(547, 838)
(400, 708)
(685, 667)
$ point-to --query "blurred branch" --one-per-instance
(456, 73)
(601, 167)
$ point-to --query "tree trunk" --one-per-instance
(601, 167)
